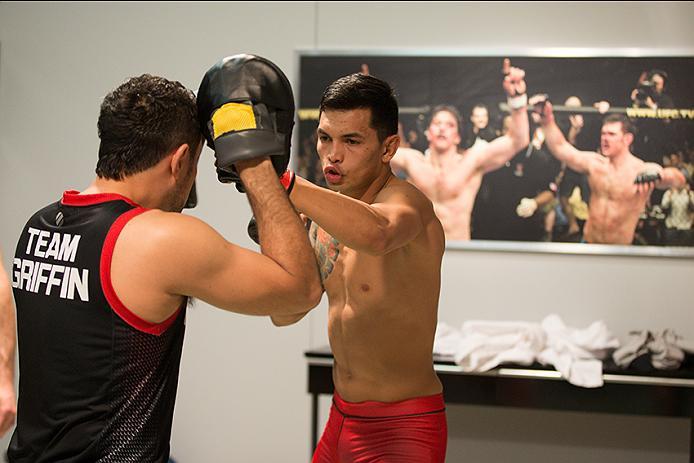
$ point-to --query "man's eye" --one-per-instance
(323, 138)
(352, 142)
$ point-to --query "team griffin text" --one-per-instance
(51, 278)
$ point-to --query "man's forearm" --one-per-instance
(519, 130)
(349, 221)
(283, 237)
(544, 197)
(557, 144)
(671, 178)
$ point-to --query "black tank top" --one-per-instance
(97, 383)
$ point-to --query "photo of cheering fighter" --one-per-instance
(451, 179)
(620, 183)
(373, 234)
(102, 277)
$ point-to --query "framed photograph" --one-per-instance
(530, 199)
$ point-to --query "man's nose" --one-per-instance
(336, 155)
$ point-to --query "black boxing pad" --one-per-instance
(246, 109)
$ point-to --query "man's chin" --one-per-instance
(335, 187)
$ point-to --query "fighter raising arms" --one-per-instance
(374, 235)
(620, 183)
(451, 180)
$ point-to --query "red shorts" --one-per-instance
(412, 430)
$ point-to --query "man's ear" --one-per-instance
(179, 160)
(390, 146)
(629, 138)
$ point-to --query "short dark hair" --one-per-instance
(141, 121)
(361, 91)
(449, 109)
(627, 125)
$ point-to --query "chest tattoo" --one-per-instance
(327, 251)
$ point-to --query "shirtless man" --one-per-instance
(379, 246)
(451, 180)
(620, 183)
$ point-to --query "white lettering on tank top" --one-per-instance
(48, 278)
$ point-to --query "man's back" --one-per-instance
(120, 404)
(383, 309)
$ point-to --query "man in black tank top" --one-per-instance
(102, 277)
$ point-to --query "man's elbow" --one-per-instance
(314, 294)
(292, 310)
(307, 296)
(680, 179)
(284, 321)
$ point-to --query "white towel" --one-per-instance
(446, 340)
(487, 344)
(577, 354)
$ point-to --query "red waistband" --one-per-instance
(373, 409)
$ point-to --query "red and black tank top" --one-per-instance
(96, 382)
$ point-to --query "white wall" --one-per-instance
(242, 387)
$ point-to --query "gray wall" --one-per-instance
(242, 388)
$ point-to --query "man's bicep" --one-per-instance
(491, 156)
(242, 281)
(579, 161)
(225, 275)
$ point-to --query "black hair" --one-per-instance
(141, 121)
(361, 91)
(627, 125)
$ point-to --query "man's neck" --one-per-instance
(621, 159)
(134, 188)
(437, 157)
(375, 187)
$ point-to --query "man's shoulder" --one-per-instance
(157, 229)
(639, 164)
(399, 191)
(596, 160)
(47, 213)
(55, 205)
